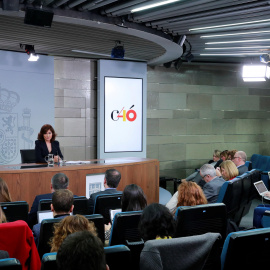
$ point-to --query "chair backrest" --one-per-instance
(200, 219)
(230, 194)
(28, 155)
(46, 233)
(173, 254)
(247, 250)
(48, 261)
(125, 228)
(118, 257)
(15, 210)
(99, 223)
(10, 264)
(105, 202)
(80, 205)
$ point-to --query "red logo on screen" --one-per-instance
(129, 115)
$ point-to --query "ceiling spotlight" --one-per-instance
(265, 58)
(118, 51)
(29, 49)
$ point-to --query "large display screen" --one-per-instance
(123, 111)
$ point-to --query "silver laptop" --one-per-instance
(261, 188)
(113, 212)
(44, 215)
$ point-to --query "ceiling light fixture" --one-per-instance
(228, 54)
(153, 5)
(234, 34)
(238, 41)
(226, 25)
(235, 48)
(255, 73)
(29, 49)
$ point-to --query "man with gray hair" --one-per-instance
(58, 181)
(239, 160)
(213, 182)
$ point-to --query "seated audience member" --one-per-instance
(224, 155)
(69, 225)
(231, 154)
(62, 206)
(188, 194)
(215, 162)
(4, 192)
(227, 170)
(239, 160)
(58, 181)
(213, 182)
(83, 251)
(133, 199)
(156, 222)
(111, 182)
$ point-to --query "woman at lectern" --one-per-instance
(46, 144)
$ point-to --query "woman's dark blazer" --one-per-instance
(41, 150)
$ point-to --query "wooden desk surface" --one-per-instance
(25, 183)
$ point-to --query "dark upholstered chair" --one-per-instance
(247, 250)
(28, 156)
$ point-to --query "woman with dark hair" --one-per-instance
(46, 144)
(69, 225)
(156, 223)
(133, 198)
(4, 192)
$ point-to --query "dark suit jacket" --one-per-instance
(242, 169)
(32, 216)
(41, 150)
(211, 189)
(92, 199)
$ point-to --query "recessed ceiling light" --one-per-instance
(238, 41)
(153, 5)
(232, 48)
(225, 25)
(235, 34)
(227, 54)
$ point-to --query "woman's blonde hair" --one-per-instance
(217, 153)
(4, 192)
(230, 169)
(67, 226)
(189, 194)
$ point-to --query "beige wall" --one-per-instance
(190, 113)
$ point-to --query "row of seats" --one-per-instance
(242, 250)
(19, 210)
(238, 194)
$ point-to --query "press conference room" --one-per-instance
(151, 89)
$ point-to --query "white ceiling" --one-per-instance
(92, 27)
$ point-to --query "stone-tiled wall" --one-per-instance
(190, 113)
(76, 107)
(202, 108)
